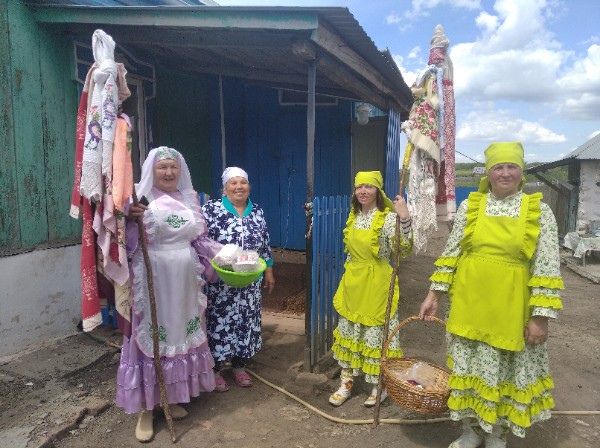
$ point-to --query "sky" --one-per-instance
(525, 70)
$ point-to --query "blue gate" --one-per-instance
(329, 218)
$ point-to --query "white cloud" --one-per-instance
(487, 21)
(414, 53)
(517, 58)
(500, 125)
(408, 75)
(420, 8)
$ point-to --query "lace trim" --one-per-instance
(546, 282)
(532, 225)
(546, 301)
(524, 396)
(505, 409)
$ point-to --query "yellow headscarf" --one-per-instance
(501, 152)
(376, 179)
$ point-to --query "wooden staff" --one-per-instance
(164, 402)
(395, 275)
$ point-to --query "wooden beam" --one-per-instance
(337, 48)
(207, 18)
(304, 50)
(346, 79)
(190, 38)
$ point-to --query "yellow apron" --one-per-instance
(489, 293)
(362, 294)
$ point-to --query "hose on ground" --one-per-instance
(393, 421)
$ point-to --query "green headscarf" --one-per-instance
(375, 179)
(501, 152)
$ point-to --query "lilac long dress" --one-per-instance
(179, 248)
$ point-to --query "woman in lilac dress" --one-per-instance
(179, 249)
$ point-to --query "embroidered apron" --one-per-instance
(362, 294)
(489, 293)
(177, 284)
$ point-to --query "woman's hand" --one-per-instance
(536, 331)
(269, 280)
(400, 208)
(430, 305)
(136, 211)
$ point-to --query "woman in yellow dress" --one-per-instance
(361, 297)
(501, 269)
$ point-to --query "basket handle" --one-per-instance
(404, 323)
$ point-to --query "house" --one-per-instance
(271, 89)
(578, 204)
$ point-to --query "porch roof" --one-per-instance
(267, 45)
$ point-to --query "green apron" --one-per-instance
(490, 293)
(362, 294)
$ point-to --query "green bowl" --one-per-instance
(239, 279)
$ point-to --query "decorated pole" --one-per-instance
(164, 402)
(395, 275)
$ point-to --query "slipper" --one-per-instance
(372, 399)
(177, 412)
(144, 430)
(220, 384)
(241, 377)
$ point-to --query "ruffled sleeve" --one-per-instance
(205, 247)
(446, 264)
(387, 236)
(546, 281)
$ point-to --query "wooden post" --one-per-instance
(395, 275)
(310, 173)
(222, 117)
(164, 401)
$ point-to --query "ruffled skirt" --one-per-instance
(358, 347)
(499, 387)
(186, 376)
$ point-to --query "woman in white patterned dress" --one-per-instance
(501, 268)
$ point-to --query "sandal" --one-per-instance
(241, 377)
(372, 399)
(220, 384)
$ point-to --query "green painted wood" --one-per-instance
(9, 212)
(182, 121)
(58, 142)
(71, 102)
(27, 116)
(181, 18)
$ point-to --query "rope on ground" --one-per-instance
(393, 421)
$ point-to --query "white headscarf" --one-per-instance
(233, 171)
(163, 152)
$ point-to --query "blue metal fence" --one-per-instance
(329, 217)
(392, 154)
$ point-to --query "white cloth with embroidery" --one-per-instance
(421, 199)
(101, 118)
(171, 225)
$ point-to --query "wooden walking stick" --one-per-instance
(143, 239)
(395, 275)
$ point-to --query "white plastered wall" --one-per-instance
(40, 297)
(589, 194)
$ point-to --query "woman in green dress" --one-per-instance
(361, 297)
(501, 269)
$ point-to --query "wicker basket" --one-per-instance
(239, 279)
(429, 402)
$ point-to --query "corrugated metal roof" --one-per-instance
(589, 150)
(339, 18)
(121, 2)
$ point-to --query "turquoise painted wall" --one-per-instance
(38, 100)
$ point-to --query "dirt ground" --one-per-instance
(62, 394)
